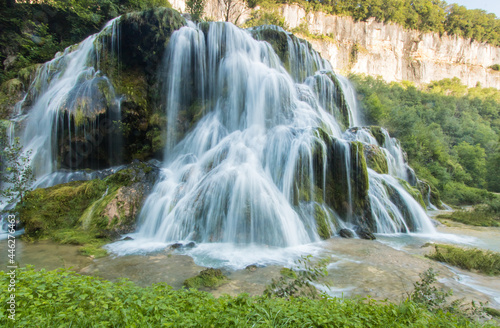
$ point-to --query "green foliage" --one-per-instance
(209, 278)
(487, 262)
(62, 298)
(195, 8)
(493, 312)
(16, 173)
(450, 132)
(426, 294)
(298, 281)
(459, 194)
(436, 299)
(265, 16)
(473, 160)
(33, 31)
(485, 215)
(495, 67)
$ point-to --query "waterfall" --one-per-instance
(355, 116)
(65, 102)
(245, 174)
(266, 158)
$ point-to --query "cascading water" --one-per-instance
(234, 178)
(266, 162)
(64, 102)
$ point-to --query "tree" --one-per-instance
(232, 9)
(473, 159)
(16, 173)
(195, 8)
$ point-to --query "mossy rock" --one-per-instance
(333, 153)
(277, 39)
(340, 101)
(84, 212)
(376, 159)
(413, 191)
(209, 278)
(377, 133)
(145, 35)
(429, 192)
(322, 222)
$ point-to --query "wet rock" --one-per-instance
(128, 238)
(176, 246)
(190, 245)
(346, 233)
(436, 223)
(375, 158)
(365, 233)
(251, 268)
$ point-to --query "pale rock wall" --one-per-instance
(388, 50)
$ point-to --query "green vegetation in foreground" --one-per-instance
(487, 262)
(450, 132)
(484, 215)
(209, 278)
(62, 298)
(297, 281)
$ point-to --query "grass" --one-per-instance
(487, 262)
(62, 298)
(484, 215)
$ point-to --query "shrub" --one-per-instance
(470, 259)
(62, 298)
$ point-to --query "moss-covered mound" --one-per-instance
(208, 278)
(377, 133)
(345, 189)
(376, 159)
(88, 212)
(487, 262)
(413, 191)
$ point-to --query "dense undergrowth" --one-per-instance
(487, 262)
(450, 132)
(62, 298)
(484, 215)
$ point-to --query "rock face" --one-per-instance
(397, 54)
(389, 50)
(105, 208)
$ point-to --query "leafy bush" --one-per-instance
(62, 298)
(298, 281)
(437, 299)
(470, 259)
(428, 295)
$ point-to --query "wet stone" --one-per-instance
(346, 233)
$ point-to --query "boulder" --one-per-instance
(346, 233)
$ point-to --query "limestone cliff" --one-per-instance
(388, 50)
